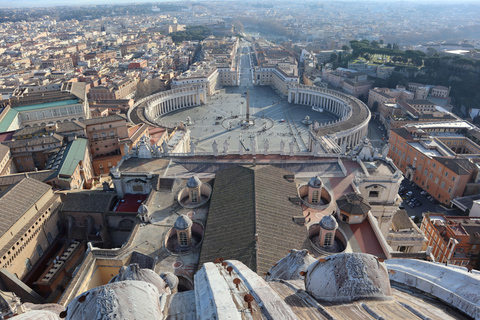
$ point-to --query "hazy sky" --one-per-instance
(45, 3)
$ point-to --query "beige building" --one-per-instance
(404, 235)
(29, 211)
(6, 162)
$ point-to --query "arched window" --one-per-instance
(315, 196)
(28, 264)
(183, 239)
(49, 238)
(328, 239)
(194, 196)
(39, 250)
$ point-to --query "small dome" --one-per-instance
(328, 223)
(193, 182)
(183, 222)
(121, 300)
(347, 277)
(143, 210)
(170, 279)
(315, 182)
(38, 315)
(289, 268)
(134, 272)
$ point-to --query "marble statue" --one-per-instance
(126, 149)
(292, 147)
(165, 148)
(215, 148)
(266, 145)
(225, 147)
(282, 146)
(344, 147)
(253, 147)
(316, 148)
(385, 151)
(192, 147)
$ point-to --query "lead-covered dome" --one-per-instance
(183, 222)
(329, 223)
(193, 182)
(289, 268)
(315, 182)
(134, 272)
(347, 277)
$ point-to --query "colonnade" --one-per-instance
(314, 99)
(175, 99)
(354, 115)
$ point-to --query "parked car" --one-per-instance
(409, 193)
(424, 193)
(411, 205)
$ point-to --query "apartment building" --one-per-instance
(453, 240)
(29, 213)
(122, 89)
(430, 163)
(7, 165)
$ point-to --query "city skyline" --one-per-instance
(53, 3)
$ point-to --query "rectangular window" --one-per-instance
(436, 179)
(442, 185)
(430, 175)
(373, 194)
(328, 239)
(450, 190)
(453, 179)
(434, 165)
(446, 173)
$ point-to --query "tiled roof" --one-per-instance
(87, 202)
(250, 217)
(457, 165)
(402, 132)
(401, 220)
(353, 203)
(14, 178)
(106, 119)
(3, 151)
(17, 199)
(35, 141)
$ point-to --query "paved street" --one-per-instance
(427, 206)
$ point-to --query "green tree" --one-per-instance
(431, 52)
(333, 57)
(389, 46)
(396, 78)
(375, 44)
(345, 48)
